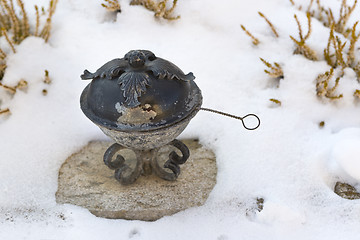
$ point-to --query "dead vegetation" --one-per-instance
(326, 15)
(301, 47)
(15, 27)
(276, 101)
(254, 40)
(269, 23)
(4, 111)
(323, 88)
(21, 85)
(160, 9)
(275, 70)
(335, 52)
(357, 94)
(16, 24)
(340, 50)
(47, 81)
(112, 5)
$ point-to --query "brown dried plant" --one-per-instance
(327, 54)
(11, 44)
(357, 94)
(275, 69)
(112, 5)
(47, 79)
(254, 40)
(276, 101)
(293, 3)
(340, 49)
(2, 63)
(344, 15)
(2, 67)
(309, 7)
(4, 111)
(319, 13)
(21, 85)
(335, 54)
(15, 27)
(269, 23)
(17, 24)
(159, 8)
(357, 71)
(45, 32)
(322, 85)
(351, 52)
(301, 47)
(326, 16)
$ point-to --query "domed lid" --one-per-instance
(139, 92)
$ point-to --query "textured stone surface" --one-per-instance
(84, 180)
(347, 191)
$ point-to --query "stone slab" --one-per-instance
(346, 191)
(84, 180)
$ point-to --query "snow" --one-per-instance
(289, 161)
(346, 151)
(274, 212)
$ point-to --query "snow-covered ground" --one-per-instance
(289, 161)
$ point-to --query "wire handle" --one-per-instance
(236, 117)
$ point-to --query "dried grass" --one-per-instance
(112, 5)
(275, 70)
(269, 23)
(326, 16)
(15, 27)
(47, 79)
(254, 40)
(301, 47)
(5, 111)
(159, 8)
(276, 101)
(21, 85)
(323, 88)
(340, 51)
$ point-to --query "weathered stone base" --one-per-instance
(84, 180)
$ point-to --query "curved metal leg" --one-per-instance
(146, 163)
(123, 173)
(173, 163)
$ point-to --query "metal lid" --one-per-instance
(139, 92)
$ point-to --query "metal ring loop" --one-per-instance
(248, 115)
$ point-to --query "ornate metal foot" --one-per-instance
(173, 163)
(123, 173)
(146, 163)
